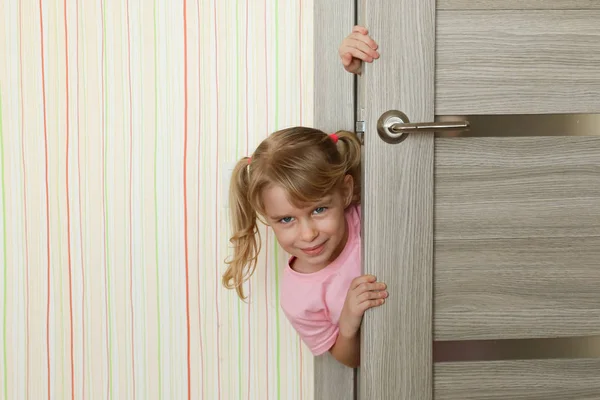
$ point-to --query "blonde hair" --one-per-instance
(306, 163)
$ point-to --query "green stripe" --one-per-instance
(276, 64)
(169, 282)
(107, 252)
(239, 312)
(126, 188)
(238, 70)
(156, 201)
(142, 250)
(25, 280)
(275, 246)
(276, 255)
(5, 261)
(237, 142)
(88, 367)
(166, 149)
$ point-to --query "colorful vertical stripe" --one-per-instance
(119, 122)
(4, 260)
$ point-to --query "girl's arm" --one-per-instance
(364, 293)
(347, 350)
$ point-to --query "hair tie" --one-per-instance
(249, 160)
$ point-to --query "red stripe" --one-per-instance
(217, 264)
(47, 201)
(25, 200)
(80, 218)
(198, 247)
(130, 200)
(69, 201)
(185, 200)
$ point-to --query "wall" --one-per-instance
(118, 121)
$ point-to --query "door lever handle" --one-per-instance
(393, 126)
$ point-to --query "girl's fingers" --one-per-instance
(354, 66)
(355, 53)
(367, 287)
(359, 45)
(364, 39)
(372, 295)
(360, 280)
(360, 29)
(346, 59)
(365, 305)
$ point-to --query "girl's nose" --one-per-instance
(309, 232)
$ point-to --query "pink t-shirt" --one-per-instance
(313, 302)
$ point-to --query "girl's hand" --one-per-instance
(364, 293)
(356, 48)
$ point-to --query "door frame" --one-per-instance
(396, 348)
(334, 106)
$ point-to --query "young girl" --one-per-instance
(305, 185)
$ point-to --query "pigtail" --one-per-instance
(350, 148)
(246, 239)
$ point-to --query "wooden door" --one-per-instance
(489, 243)
(334, 109)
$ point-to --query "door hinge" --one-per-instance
(359, 128)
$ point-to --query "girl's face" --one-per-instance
(315, 234)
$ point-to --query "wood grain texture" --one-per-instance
(334, 87)
(517, 237)
(517, 187)
(517, 288)
(517, 4)
(517, 62)
(398, 204)
(559, 379)
(334, 109)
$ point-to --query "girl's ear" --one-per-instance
(348, 190)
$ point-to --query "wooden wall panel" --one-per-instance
(517, 237)
(558, 379)
(517, 62)
(517, 4)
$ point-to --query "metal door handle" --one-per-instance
(393, 126)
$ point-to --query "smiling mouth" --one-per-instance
(316, 250)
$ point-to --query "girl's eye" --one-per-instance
(286, 220)
(320, 210)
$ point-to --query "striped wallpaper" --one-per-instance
(119, 121)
